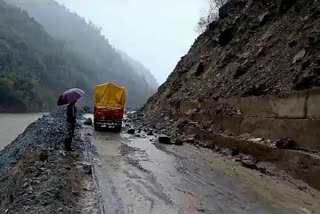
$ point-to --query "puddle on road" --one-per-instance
(145, 179)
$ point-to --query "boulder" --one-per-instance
(150, 132)
(131, 131)
(88, 122)
(286, 143)
(164, 139)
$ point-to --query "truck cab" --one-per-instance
(109, 103)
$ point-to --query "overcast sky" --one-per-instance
(157, 33)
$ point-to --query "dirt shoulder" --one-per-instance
(38, 176)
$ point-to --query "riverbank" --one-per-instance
(38, 175)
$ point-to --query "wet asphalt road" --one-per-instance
(136, 175)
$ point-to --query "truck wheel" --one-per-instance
(96, 128)
(118, 128)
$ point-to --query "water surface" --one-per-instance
(11, 125)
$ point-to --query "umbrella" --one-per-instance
(70, 95)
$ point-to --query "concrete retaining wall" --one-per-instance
(295, 115)
(301, 104)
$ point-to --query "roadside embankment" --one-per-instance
(38, 176)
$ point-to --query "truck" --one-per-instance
(109, 106)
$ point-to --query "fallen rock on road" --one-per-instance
(164, 139)
(131, 131)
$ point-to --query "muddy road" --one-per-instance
(135, 174)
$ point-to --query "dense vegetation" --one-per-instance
(38, 61)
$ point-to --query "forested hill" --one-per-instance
(87, 40)
(68, 51)
(34, 68)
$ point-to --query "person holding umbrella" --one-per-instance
(70, 97)
(71, 121)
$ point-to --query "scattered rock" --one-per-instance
(88, 122)
(256, 140)
(178, 142)
(234, 152)
(238, 159)
(30, 189)
(299, 56)
(229, 7)
(285, 143)
(43, 155)
(150, 132)
(284, 5)
(190, 140)
(292, 43)
(201, 210)
(302, 188)
(200, 69)
(263, 17)
(86, 167)
(24, 185)
(226, 36)
(131, 131)
(249, 162)
(137, 135)
(164, 139)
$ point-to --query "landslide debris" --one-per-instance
(38, 176)
(255, 48)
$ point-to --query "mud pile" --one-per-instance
(38, 176)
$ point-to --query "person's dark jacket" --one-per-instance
(71, 113)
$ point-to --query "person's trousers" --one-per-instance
(70, 135)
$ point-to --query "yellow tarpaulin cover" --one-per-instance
(109, 95)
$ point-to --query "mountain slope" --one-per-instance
(86, 39)
(34, 68)
(140, 70)
(255, 48)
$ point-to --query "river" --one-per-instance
(11, 125)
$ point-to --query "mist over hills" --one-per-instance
(58, 50)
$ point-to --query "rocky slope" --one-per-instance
(255, 48)
(250, 84)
